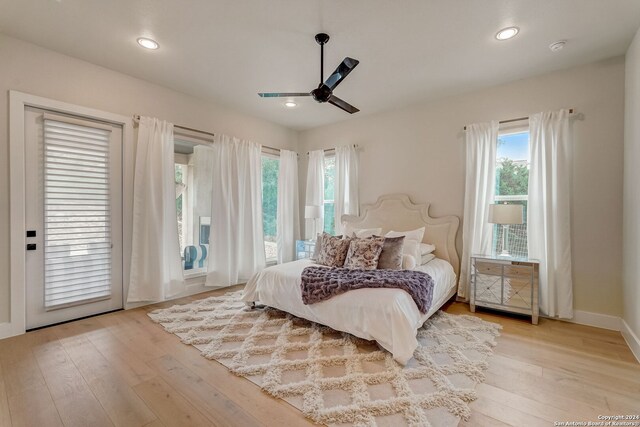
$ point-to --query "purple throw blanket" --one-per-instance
(321, 283)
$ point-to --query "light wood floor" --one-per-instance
(121, 369)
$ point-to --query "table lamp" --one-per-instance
(505, 215)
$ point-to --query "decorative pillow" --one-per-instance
(364, 253)
(416, 234)
(412, 241)
(426, 248)
(412, 248)
(391, 255)
(408, 262)
(426, 258)
(316, 250)
(333, 251)
(361, 233)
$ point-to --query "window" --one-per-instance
(329, 197)
(270, 172)
(512, 182)
(193, 204)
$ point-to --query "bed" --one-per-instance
(388, 316)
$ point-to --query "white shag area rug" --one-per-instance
(335, 378)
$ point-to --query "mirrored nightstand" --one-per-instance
(507, 284)
(305, 248)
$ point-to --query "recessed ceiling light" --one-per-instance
(556, 46)
(507, 33)
(148, 43)
(290, 104)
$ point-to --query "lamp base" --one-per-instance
(505, 242)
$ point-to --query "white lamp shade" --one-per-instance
(505, 214)
(312, 211)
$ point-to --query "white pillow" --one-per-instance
(412, 241)
(416, 235)
(426, 248)
(408, 262)
(426, 258)
(361, 233)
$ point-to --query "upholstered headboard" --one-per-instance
(397, 212)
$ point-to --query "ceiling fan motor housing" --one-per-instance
(322, 93)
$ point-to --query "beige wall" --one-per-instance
(419, 151)
(31, 69)
(631, 290)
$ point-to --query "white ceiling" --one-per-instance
(409, 50)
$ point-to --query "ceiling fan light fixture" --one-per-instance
(290, 104)
(148, 43)
(507, 33)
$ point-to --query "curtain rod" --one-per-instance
(136, 118)
(519, 119)
(326, 150)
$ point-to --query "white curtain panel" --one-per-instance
(548, 212)
(346, 184)
(288, 214)
(479, 192)
(202, 160)
(156, 266)
(315, 189)
(236, 242)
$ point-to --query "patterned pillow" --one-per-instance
(333, 251)
(364, 253)
(391, 255)
(316, 250)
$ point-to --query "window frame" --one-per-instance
(183, 161)
(275, 155)
(325, 201)
(506, 130)
(196, 274)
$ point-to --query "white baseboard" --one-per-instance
(598, 320)
(631, 338)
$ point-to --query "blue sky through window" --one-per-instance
(515, 146)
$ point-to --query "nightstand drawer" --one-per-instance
(490, 268)
(520, 271)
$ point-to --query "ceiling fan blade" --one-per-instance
(282, 94)
(342, 104)
(341, 72)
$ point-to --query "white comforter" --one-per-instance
(389, 316)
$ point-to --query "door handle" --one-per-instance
(31, 246)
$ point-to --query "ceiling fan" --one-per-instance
(324, 91)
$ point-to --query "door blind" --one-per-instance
(77, 223)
